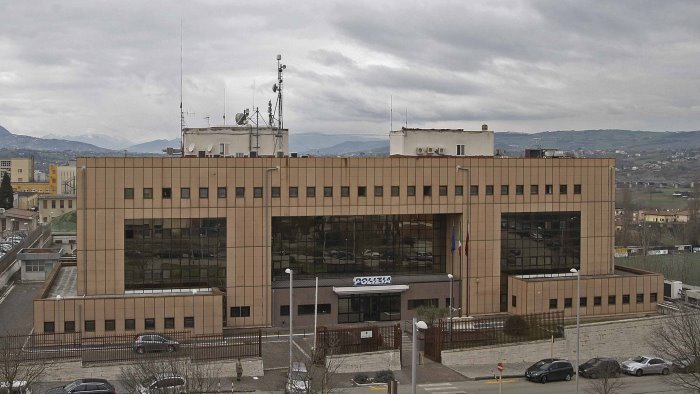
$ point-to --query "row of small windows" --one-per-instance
(597, 300)
(61, 204)
(395, 191)
(129, 324)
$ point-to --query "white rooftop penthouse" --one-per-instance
(441, 142)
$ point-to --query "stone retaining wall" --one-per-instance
(365, 362)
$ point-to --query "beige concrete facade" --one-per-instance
(54, 205)
(21, 169)
(102, 211)
(36, 187)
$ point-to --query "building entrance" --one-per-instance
(357, 308)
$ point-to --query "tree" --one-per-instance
(678, 340)
(6, 193)
(200, 377)
(18, 365)
(607, 383)
(430, 314)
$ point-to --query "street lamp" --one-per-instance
(291, 314)
(578, 325)
(414, 355)
(451, 277)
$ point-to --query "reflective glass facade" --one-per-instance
(333, 246)
(369, 307)
(538, 243)
(174, 253)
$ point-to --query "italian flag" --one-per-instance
(459, 242)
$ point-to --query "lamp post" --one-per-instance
(469, 219)
(291, 313)
(451, 277)
(578, 325)
(414, 352)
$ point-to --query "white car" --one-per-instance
(18, 387)
(643, 365)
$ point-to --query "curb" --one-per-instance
(489, 377)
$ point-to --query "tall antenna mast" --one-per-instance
(182, 114)
(391, 113)
(406, 118)
(224, 103)
(278, 89)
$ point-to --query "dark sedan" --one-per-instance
(548, 370)
(599, 367)
(85, 386)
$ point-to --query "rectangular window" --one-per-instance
(328, 191)
(203, 192)
(257, 192)
(612, 300)
(53, 202)
(640, 298)
(275, 192)
(89, 326)
(625, 299)
(442, 190)
(426, 302)
(583, 301)
(534, 189)
(110, 325)
(240, 311)
(222, 149)
(189, 322)
(567, 302)
(240, 192)
(562, 189)
(552, 303)
(361, 191)
(378, 191)
(128, 194)
(293, 192)
(49, 327)
(411, 191)
(489, 190)
(69, 326)
(169, 322)
(513, 301)
(474, 190)
(308, 309)
(505, 190)
(652, 297)
(548, 189)
(284, 310)
(395, 191)
(519, 190)
(460, 149)
(459, 190)
(147, 194)
(597, 301)
(167, 193)
(221, 192)
(427, 191)
(577, 189)
(345, 191)
(149, 323)
(61, 202)
(310, 191)
(129, 324)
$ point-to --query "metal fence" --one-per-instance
(111, 348)
(342, 340)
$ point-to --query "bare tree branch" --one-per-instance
(678, 340)
(20, 364)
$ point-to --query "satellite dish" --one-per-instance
(274, 88)
(191, 148)
(240, 118)
(209, 147)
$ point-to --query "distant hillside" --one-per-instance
(315, 143)
(16, 141)
(155, 146)
(100, 140)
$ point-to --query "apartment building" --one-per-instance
(54, 205)
(32, 187)
(20, 169)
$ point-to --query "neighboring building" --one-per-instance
(441, 142)
(14, 220)
(37, 263)
(66, 178)
(171, 243)
(32, 187)
(63, 232)
(53, 178)
(26, 200)
(236, 141)
(664, 216)
(53, 205)
(21, 169)
(40, 176)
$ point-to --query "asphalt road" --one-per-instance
(16, 316)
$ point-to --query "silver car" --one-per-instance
(643, 365)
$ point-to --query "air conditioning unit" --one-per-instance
(440, 151)
(280, 153)
(429, 150)
(419, 151)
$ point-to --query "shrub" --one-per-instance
(384, 376)
(361, 378)
(516, 325)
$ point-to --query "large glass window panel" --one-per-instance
(174, 253)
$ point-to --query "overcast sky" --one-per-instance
(113, 67)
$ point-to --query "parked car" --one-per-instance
(642, 365)
(18, 387)
(155, 343)
(297, 379)
(686, 365)
(85, 386)
(550, 369)
(163, 383)
(599, 367)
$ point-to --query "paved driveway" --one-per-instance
(16, 309)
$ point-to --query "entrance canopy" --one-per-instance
(370, 289)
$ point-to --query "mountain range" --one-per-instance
(346, 144)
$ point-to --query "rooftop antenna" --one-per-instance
(224, 103)
(406, 118)
(278, 89)
(391, 113)
(182, 114)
